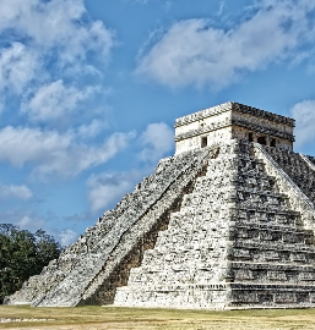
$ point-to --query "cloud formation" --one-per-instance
(304, 114)
(55, 100)
(57, 25)
(14, 191)
(67, 236)
(44, 43)
(107, 188)
(18, 66)
(192, 52)
(24, 219)
(53, 153)
(91, 130)
(158, 140)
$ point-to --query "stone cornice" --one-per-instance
(263, 129)
(235, 122)
(203, 114)
(235, 107)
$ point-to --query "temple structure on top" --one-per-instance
(228, 222)
(232, 120)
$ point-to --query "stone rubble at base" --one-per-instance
(228, 222)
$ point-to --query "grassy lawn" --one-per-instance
(101, 318)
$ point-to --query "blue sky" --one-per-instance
(89, 91)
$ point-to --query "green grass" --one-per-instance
(95, 317)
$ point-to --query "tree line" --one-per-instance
(23, 254)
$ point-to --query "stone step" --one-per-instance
(297, 168)
(248, 216)
(269, 219)
(191, 243)
(240, 230)
(262, 197)
(256, 198)
(248, 212)
(244, 253)
(262, 266)
(265, 295)
(279, 246)
(213, 296)
(241, 214)
(263, 221)
(214, 181)
(266, 215)
(252, 231)
(282, 255)
(209, 296)
(205, 274)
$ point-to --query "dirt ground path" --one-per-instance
(110, 318)
(179, 326)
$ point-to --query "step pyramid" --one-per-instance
(228, 222)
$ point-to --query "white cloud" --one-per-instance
(58, 25)
(304, 114)
(29, 223)
(67, 237)
(24, 219)
(192, 52)
(221, 8)
(54, 153)
(55, 100)
(18, 66)
(13, 191)
(108, 188)
(91, 130)
(32, 221)
(157, 139)
(46, 41)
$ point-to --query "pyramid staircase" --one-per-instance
(300, 168)
(230, 226)
(237, 241)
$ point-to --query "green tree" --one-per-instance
(23, 254)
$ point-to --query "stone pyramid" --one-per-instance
(228, 222)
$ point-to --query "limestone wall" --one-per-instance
(233, 121)
(216, 136)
